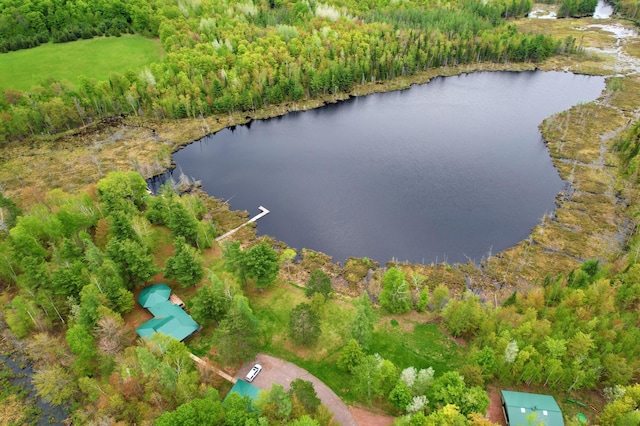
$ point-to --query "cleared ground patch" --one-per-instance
(94, 58)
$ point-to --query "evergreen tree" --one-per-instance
(185, 266)
(238, 334)
(319, 282)
(235, 260)
(133, 259)
(304, 325)
(363, 322)
(304, 392)
(182, 223)
(262, 264)
(211, 302)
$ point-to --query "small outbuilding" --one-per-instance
(522, 408)
(244, 388)
(168, 318)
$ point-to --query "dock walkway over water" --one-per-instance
(263, 212)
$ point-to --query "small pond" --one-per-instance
(451, 170)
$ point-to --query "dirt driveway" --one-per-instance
(276, 370)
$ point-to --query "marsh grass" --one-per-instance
(94, 58)
(591, 219)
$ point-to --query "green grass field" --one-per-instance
(424, 346)
(94, 58)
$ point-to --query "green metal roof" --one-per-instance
(245, 388)
(523, 409)
(154, 294)
(168, 318)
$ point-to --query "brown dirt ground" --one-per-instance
(368, 417)
(494, 412)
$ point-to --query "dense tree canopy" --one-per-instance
(240, 56)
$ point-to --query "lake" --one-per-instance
(448, 171)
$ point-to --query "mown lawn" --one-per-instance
(94, 58)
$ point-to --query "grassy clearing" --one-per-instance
(420, 345)
(272, 306)
(94, 58)
(409, 344)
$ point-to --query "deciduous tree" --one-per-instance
(451, 389)
(441, 295)
(239, 410)
(83, 344)
(304, 392)
(122, 191)
(207, 410)
(395, 296)
(55, 384)
(463, 317)
(367, 378)
(400, 396)
(351, 356)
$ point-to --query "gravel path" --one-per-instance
(276, 370)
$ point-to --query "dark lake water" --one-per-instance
(449, 170)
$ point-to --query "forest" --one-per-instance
(72, 263)
(240, 56)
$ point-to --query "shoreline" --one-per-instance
(147, 146)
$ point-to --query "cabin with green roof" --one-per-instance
(168, 318)
(244, 388)
(522, 409)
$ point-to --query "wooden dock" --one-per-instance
(263, 212)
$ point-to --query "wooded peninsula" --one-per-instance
(82, 240)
